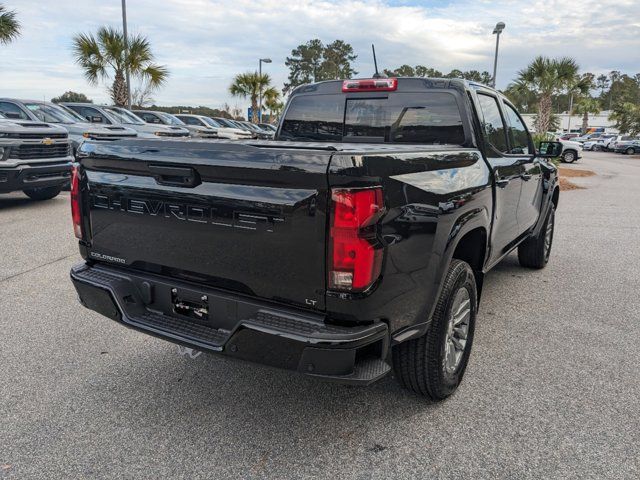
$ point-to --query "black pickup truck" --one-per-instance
(354, 243)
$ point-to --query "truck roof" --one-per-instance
(335, 86)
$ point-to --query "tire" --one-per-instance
(44, 193)
(535, 251)
(421, 365)
(569, 156)
(630, 151)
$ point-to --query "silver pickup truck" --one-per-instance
(34, 158)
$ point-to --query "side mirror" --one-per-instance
(96, 119)
(549, 149)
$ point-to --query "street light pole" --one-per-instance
(570, 113)
(126, 48)
(497, 31)
(260, 62)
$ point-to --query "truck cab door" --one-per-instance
(521, 147)
(507, 170)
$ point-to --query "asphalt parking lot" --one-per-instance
(552, 389)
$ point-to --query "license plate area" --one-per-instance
(190, 304)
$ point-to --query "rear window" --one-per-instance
(314, 118)
(432, 117)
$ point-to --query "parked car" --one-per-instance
(356, 242)
(257, 131)
(210, 125)
(593, 145)
(619, 141)
(35, 158)
(592, 136)
(227, 123)
(630, 147)
(164, 118)
(121, 116)
(570, 151)
(568, 136)
(76, 126)
(243, 126)
(268, 126)
(598, 143)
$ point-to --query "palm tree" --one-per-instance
(546, 77)
(106, 54)
(9, 26)
(272, 102)
(249, 85)
(586, 106)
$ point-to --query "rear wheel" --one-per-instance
(630, 151)
(434, 364)
(535, 251)
(569, 156)
(44, 193)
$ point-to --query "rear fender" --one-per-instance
(467, 222)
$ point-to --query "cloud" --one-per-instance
(205, 43)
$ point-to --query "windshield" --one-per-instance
(170, 119)
(225, 123)
(212, 122)
(425, 118)
(124, 116)
(51, 113)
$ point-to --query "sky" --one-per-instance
(204, 43)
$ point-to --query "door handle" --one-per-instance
(175, 176)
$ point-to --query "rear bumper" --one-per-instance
(22, 177)
(237, 326)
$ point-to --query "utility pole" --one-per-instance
(570, 112)
(126, 48)
(497, 31)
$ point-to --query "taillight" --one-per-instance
(75, 202)
(370, 85)
(354, 259)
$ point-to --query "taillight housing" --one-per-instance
(75, 202)
(355, 258)
(370, 85)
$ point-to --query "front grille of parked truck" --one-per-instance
(38, 151)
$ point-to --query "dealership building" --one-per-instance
(568, 122)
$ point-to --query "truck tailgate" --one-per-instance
(236, 216)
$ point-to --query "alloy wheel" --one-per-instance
(457, 331)
(548, 236)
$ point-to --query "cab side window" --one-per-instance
(495, 132)
(518, 133)
(11, 110)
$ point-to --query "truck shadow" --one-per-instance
(18, 200)
(212, 399)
